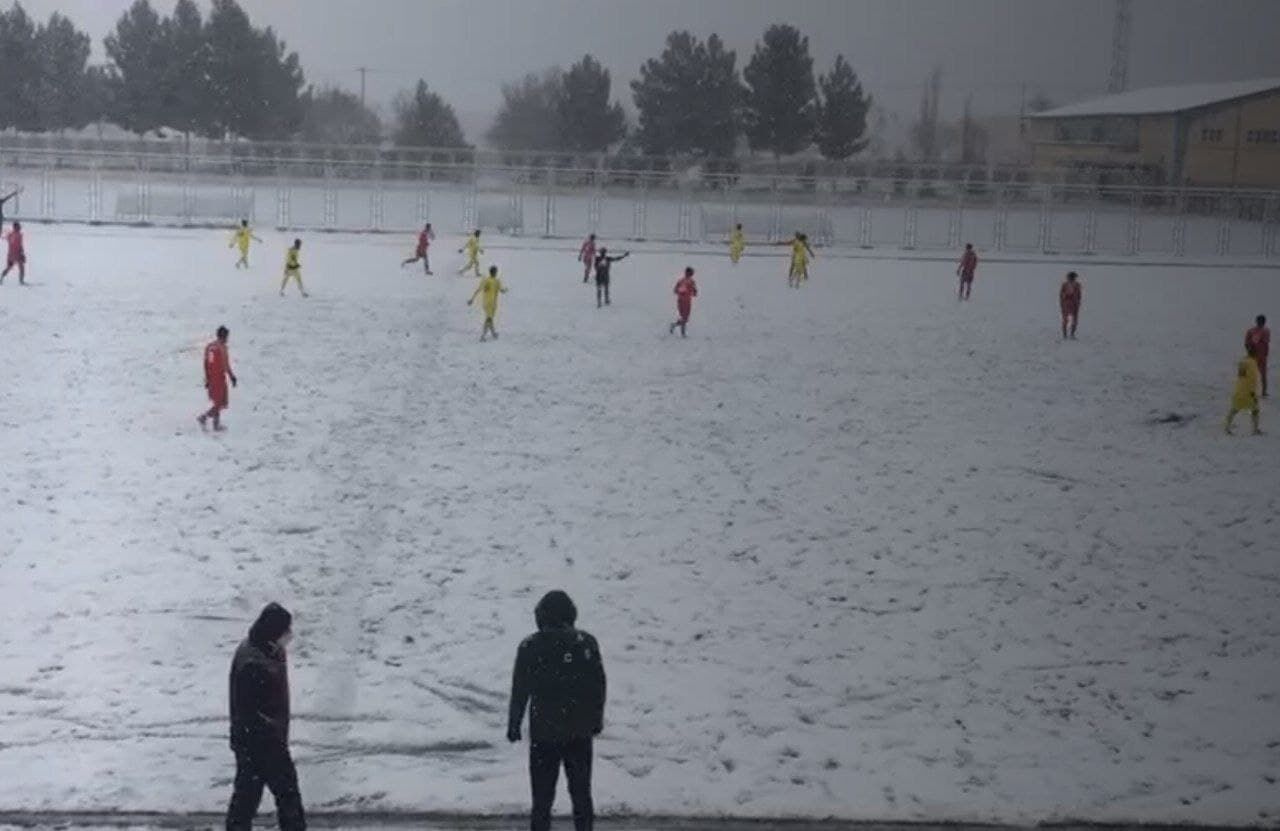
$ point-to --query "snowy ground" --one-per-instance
(854, 551)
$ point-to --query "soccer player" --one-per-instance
(686, 289)
(17, 255)
(587, 256)
(1260, 337)
(603, 263)
(488, 290)
(1245, 396)
(1069, 296)
(241, 239)
(800, 255)
(968, 265)
(217, 369)
(293, 267)
(737, 244)
(425, 236)
(473, 249)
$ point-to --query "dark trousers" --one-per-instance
(545, 759)
(273, 768)
(602, 292)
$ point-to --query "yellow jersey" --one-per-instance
(1245, 396)
(291, 260)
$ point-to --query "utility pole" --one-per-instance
(363, 70)
(1121, 36)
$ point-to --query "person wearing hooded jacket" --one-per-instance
(259, 687)
(559, 675)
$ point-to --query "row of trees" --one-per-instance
(691, 100)
(220, 76)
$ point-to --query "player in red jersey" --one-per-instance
(587, 256)
(17, 255)
(420, 252)
(217, 369)
(968, 265)
(1070, 293)
(1259, 337)
(686, 289)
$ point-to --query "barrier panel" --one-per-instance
(933, 212)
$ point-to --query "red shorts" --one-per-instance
(16, 259)
(684, 305)
(1070, 310)
(218, 395)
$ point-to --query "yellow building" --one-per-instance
(1199, 135)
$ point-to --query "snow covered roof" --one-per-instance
(1160, 100)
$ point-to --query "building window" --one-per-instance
(1262, 137)
(1211, 135)
(1117, 131)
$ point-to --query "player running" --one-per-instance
(737, 244)
(473, 250)
(800, 256)
(293, 268)
(425, 236)
(488, 290)
(1069, 295)
(686, 289)
(241, 238)
(17, 255)
(603, 263)
(1260, 338)
(587, 256)
(217, 369)
(968, 265)
(1245, 396)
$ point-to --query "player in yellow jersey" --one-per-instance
(801, 253)
(737, 244)
(473, 251)
(1245, 395)
(241, 239)
(293, 267)
(488, 290)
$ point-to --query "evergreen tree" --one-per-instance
(62, 57)
(842, 113)
(280, 108)
(588, 122)
(19, 87)
(423, 119)
(529, 118)
(138, 55)
(780, 93)
(96, 104)
(688, 98)
(335, 116)
(186, 71)
(254, 83)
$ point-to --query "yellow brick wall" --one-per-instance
(1216, 159)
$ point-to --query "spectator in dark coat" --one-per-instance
(260, 724)
(559, 674)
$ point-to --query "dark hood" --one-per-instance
(273, 622)
(555, 609)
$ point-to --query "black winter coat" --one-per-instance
(259, 697)
(559, 672)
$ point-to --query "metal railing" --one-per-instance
(413, 162)
(913, 214)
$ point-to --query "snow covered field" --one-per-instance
(855, 551)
